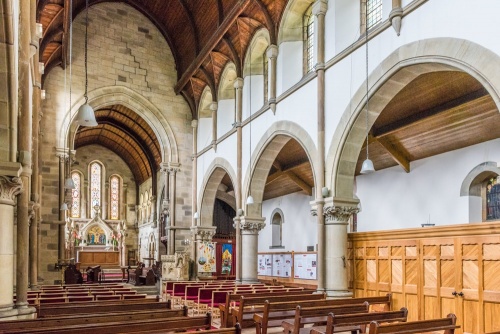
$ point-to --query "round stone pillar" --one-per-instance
(337, 214)
(10, 187)
(250, 227)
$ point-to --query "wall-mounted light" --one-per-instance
(42, 94)
(64, 207)
(185, 242)
(325, 192)
(196, 215)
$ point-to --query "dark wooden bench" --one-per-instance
(54, 310)
(233, 298)
(168, 324)
(445, 325)
(337, 323)
(273, 313)
(80, 319)
(248, 305)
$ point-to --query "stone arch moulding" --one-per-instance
(215, 172)
(266, 150)
(291, 24)
(387, 79)
(106, 96)
(472, 178)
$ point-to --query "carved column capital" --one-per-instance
(320, 7)
(203, 233)
(251, 225)
(194, 123)
(10, 187)
(339, 214)
(272, 51)
(238, 83)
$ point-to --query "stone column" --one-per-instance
(104, 211)
(238, 85)
(200, 234)
(62, 214)
(24, 156)
(337, 213)
(213, 107)
(319, 10)
(194, 175)
(272, 55)
(10, 187)
(166, 207)
(250, 227)
(173, 169)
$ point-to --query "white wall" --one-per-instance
(299, 227)
(392, 199)
(204, 132)
(289, 65)
(225, 117)
(346, 25)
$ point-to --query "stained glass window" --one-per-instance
(374, 12)
(493, 199)
(95, 184)
(75, 206)
(115, 197)
(309, 40)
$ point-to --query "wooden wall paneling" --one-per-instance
(411, 280)
(490, 282)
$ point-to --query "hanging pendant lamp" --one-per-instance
(367, 166)
(86, 116)
(69, 183)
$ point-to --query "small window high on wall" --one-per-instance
(493, 198)
(308, 40)
(277, 229)
(374, 12)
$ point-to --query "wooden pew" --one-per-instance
(283, 314)
(233, 298)
(337, 323)
(248, 305)
(80, 319)
(55, 310)
(445, 325)
(168, 324)
(233, 330)
(273, 313)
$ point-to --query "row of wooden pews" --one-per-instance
(81, 293)
(121, 316)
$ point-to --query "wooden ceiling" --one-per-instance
(124, 132)
(204, 35)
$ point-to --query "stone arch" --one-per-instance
(476, 177)
(387, 79)
(257, 47)
(106, 96)
(226, 85)
(266, 150)
(215, 172)
(291, 24)
(205, 103)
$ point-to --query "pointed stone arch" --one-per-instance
(215, 173)
(387, 79)
(264, 155)
(127, 97)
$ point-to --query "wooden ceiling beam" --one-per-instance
(282, 170)
(425, 115)
(300, 182)
(396, 152)
(193, 26)
(65, 38)
(269, 21)
(229, 20)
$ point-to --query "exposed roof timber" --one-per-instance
(54, 58)
(269, 21)
(65, 40)
(210, 82)
(41, 5)
(190, 102)
(396, 152)
(300, 182)
(230, 18)
(52, 38)
(433, 112)
(193, 26)
(220, 11)
(285, 169)
(235, 57)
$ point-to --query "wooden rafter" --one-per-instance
(396, 152)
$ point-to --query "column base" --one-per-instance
(10, 313)
(249, 280)
(333, 294)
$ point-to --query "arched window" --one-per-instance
(277, 229)
(374, 15)
(95, 184)
(493, 198)
(308, 40)
(114, 194)
(76, 195)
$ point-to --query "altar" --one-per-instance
(104, 258)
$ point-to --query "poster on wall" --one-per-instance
(227, 259)
(265, 264)
(305, 266)
(206, 257)
(282, 265)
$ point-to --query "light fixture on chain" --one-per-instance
(69, 183)
(367, 166)
(86, 116)
(250, 198)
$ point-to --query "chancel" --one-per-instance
(201, 151)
